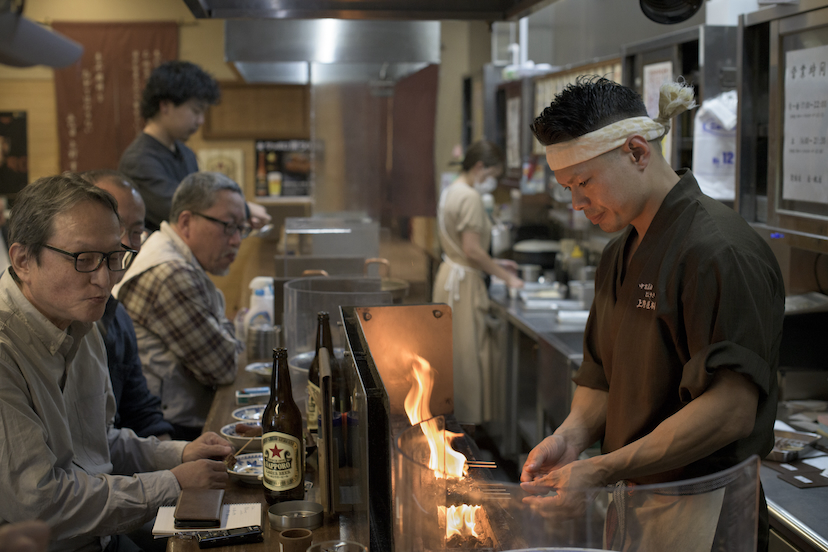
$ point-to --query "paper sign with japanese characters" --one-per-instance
(805, 156)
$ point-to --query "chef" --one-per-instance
(682, 343)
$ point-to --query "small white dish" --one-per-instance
(261, 369)
(238, 441)
(248, 414)
(248, 469)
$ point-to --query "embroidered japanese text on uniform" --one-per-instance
(649, 300)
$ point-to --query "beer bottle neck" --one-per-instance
(280, 378)
(323, 336)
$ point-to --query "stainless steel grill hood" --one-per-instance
(329, 50)
(488, 10)
(380, 41)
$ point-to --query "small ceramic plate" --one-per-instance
(247, 414)
(260, 369)
(248, 469)
(238, 441)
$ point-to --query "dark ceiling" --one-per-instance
(487, 10)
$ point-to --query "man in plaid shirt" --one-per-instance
(186, 343)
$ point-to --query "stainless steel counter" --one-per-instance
(798, 515)
(533, 373)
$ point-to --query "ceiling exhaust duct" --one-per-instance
(329, 50)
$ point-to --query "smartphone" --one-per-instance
(228, 537)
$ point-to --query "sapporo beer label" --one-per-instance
(282, 456)
(313, 399)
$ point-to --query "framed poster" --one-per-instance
(283, 168)
(229, 162)
(14, 169)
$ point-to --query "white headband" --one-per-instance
(674, 98)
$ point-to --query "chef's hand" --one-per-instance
(208, 445)
(201, 474)
(564, 493)
(258, 215)
(557, 482)
(551, 454)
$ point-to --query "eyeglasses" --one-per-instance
(230, 228)
(90, 261)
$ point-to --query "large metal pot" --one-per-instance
(396, 287)
(536, 252)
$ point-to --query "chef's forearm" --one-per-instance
(587, 418)
(725, 412)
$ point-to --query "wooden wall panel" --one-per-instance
(260, 111)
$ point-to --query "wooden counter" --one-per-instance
(334, 527)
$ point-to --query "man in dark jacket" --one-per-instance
(681, 348)
(138, 409)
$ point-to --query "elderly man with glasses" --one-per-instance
(186, 343)
(63, 460)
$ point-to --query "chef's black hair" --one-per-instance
(177, 81)
(592, 102)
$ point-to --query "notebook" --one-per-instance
(232, 517)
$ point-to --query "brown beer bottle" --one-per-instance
(283, 450)
(323, 339)
(261, 176)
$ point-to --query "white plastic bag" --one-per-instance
(714, 146)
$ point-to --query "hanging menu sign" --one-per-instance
(805, 163)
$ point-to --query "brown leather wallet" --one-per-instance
(199, 508)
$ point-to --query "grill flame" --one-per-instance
(460, 520)
(445, 461)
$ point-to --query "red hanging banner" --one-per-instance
(99, 96)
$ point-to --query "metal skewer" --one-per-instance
(480, 464)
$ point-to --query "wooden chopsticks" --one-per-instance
(244, 446)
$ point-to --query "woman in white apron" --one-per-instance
(465, 232)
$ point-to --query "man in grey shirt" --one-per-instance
(63, 460)
(173, 104)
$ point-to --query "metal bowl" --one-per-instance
(301, 362)
(295, 514)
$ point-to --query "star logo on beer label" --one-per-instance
(276, 452)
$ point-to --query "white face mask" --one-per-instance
(487, 186)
